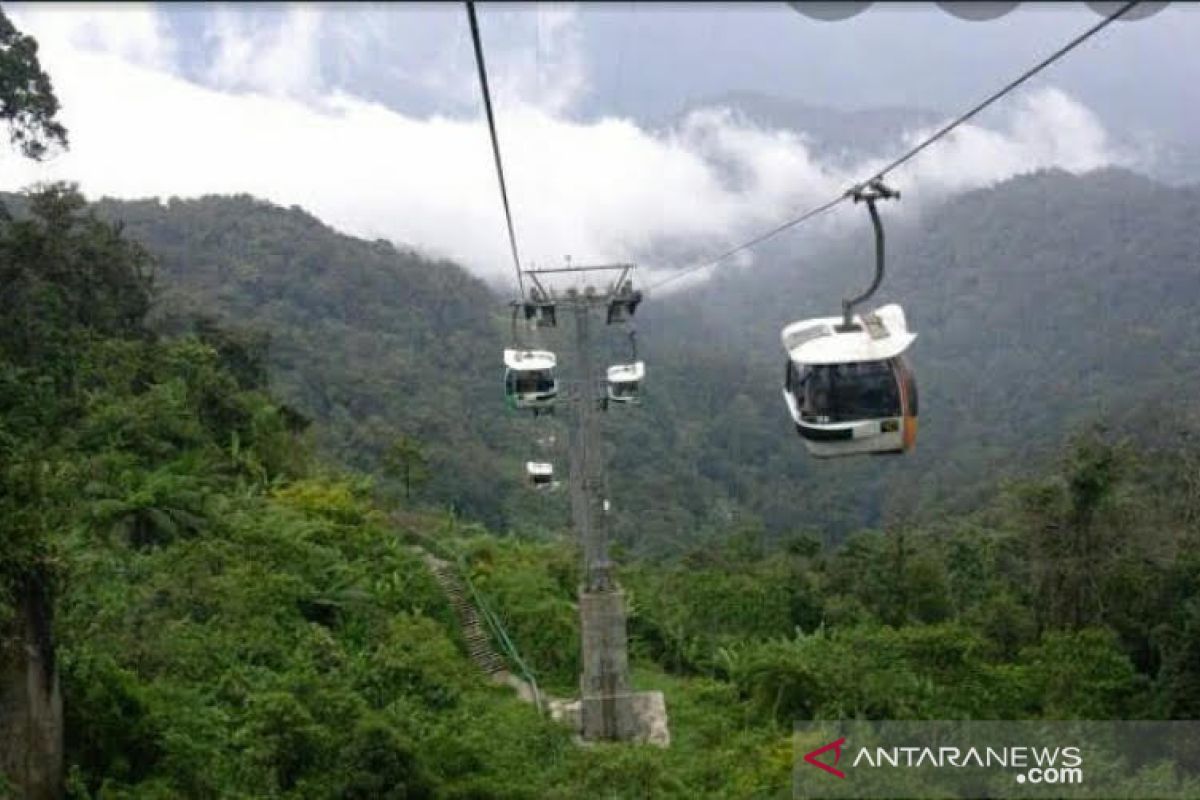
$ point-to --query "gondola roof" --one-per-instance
(627, 373)
(881, 334)
(526, 360)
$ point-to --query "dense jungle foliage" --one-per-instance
(236, 618)
(225, 430)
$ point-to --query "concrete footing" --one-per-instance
(648, 711)
(608, 708)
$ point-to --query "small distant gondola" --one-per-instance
(540, 475)
(625, 382)
(529, 379)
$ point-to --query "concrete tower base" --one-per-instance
(608, 708)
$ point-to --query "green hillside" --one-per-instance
(1042, 304)
(264, 533)
(372, 341)
(229, 617)
(234, 618)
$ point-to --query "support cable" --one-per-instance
(491, 120)
(943, 131)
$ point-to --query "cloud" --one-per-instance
(130, 31)
(1042, 129)
(552, 74)
(284, 60)
(597, 190)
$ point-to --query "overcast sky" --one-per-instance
(368, 115)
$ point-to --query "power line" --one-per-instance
(762, 237)
(491, 120)
(974, 110)
(1029, 73)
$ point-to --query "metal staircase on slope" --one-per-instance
(479, 644)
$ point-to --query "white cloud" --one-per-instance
(130, 31)
(551, 74)
(1043, 129)
(600, 190)
(284, 60)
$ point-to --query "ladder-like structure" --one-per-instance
(483, 633)
(479, 644)
(480, 628)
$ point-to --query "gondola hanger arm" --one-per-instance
(869, 193)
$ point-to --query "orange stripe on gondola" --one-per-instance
(908, 432)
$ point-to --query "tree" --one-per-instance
(405, 460)
(29, 107)
(1074, 530)
(65, 275)
(27, 101)
(67, 281)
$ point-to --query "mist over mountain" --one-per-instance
(839, 137)
(192, 83)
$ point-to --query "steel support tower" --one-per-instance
(609, 709)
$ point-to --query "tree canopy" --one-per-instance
(28, 104)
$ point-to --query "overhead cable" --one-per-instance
(940, 133)
(491, 120)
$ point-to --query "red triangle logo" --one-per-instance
(836, 747)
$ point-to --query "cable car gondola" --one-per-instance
(847, 386)
(540, 475)
(625, 382)
(529, 380)
(540, 315)
(852, 392)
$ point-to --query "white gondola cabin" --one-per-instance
(851, 392)
(625, 382)
(529, 380)
(540, 475)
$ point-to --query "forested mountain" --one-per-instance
(232, 616)
(371, 341)
(244, 461)
(1042, 304)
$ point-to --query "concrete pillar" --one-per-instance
(607, 707)
(31, 724)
